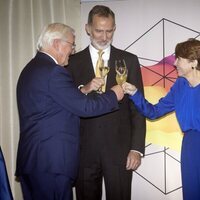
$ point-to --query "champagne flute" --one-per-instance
(104, 69)
(121, 71)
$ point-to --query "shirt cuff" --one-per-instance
(138, 152)
(80, 86)
(134, 92)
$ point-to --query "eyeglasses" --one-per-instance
(72, 44)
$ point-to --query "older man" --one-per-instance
(49, 107)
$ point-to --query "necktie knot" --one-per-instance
(100, 52)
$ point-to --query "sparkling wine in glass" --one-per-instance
(121, 71)
(104, 69)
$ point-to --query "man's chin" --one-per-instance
(101, 46)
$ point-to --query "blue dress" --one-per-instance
(185, 101)
(5, 191)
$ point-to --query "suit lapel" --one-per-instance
(87, 68)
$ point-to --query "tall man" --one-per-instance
(49, 105)
(111, 144)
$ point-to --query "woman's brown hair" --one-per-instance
(190, 50)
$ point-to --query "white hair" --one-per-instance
(51, 32)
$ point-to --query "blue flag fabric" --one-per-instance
(5, 191)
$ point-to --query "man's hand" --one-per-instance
(118, 91)
(129, 88)
(93, 85)
(133, 160)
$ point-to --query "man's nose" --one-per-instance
(105, 36)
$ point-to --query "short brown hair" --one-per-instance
(101, 11)
(190, 50)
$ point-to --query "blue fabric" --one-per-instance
(49, 187)
(184, 100)
(190, 165)
(49, 107)
(5, 191)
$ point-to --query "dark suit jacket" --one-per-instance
(49, 105)
(119, 132)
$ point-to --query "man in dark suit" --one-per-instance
(111, 144)
(49, 108)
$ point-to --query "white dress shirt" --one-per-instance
(94, 55)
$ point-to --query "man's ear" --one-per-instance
(87, 29)
(56, 44)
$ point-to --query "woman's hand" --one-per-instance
(129, 88)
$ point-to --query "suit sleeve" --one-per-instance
(138, 122)
(64, 92)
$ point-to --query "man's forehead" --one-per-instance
(104, 29)
(70, 36)
(102, 25)
(98, 18)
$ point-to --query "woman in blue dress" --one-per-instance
(183, 98)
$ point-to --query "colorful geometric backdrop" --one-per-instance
(163, 135)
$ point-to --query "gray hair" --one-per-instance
(51, 32)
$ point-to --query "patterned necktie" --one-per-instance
(100, 63)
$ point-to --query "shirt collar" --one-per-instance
(50, 56)
(94, 52)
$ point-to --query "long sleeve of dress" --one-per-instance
(182, 98)
(164, 106)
